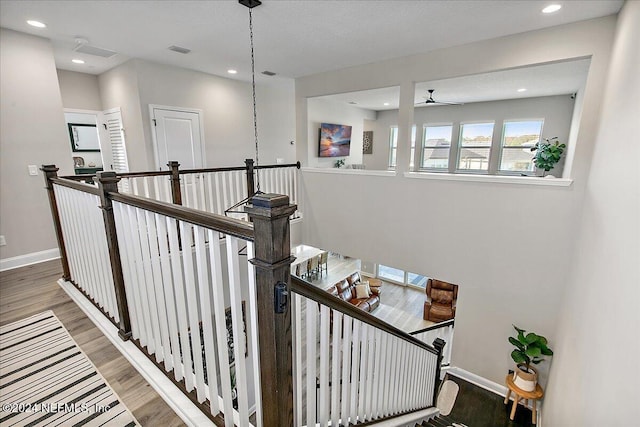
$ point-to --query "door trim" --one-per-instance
(197, 111)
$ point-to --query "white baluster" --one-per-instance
(215, 261)
(239, 343)
(181, 308)
(147, 284)
(346, 368)
(192, 309)
(163, 347)
(323, 409)
(312, 351)
(355, 369)
(172, 362)
(364, 367)
(297, 346)
(204, 287)
(335, 367)
(129, 273)
(219, 209)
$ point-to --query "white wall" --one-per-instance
(327, 111)
(486, 237)
(597, 343)
(226, 105)
(79, 90)
(556, 110)
(119, 88)
(32, 132)
(276, 120)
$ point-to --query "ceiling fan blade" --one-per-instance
(449, 103)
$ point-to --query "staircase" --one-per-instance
(441, 421)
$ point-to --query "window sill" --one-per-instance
(340, 171)
(501, 179)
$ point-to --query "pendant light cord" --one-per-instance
(253, 87)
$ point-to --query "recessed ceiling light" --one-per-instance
(522, 89)
(385, 104)
(77, 61)
(232, 71)
(37, 24)
(552, 8)
(352, 102)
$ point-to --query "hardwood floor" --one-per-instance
(30, 290)
(401, 306)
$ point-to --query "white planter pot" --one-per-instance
(525, 380)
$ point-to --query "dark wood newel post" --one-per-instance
(108, 182)
(175, 182)
(270, 215)
(251, 188)
(438, 344)
(51, 171)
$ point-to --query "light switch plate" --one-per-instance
(3, 241)
(33, 170)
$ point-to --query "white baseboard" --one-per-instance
(28, 259)
(181, 405)
(478, 380)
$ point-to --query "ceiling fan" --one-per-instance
(430, 100)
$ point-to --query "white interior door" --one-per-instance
(177, 136)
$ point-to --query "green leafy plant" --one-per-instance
(548, 154)
(529, 349)
(339, 163)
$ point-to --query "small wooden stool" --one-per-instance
(522, 395)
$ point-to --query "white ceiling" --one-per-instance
(540, 80)
(292, 38)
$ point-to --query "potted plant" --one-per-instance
(339, 163)
(529, 350)
(548, 154)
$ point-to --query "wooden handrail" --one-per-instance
(231, 226)
(141, 174)
(207, 170)
(439, 325)
(184, 171)
(289, 165)
(310, 291)
(65, 182)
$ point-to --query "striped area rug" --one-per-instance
(46, 379)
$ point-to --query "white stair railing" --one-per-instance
(191, 306)
(281, 180)
(350, 367)
(442, 330)
(87, 252)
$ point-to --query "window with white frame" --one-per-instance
(402, 277)
(393, 146)
(436, 145)
(518, 137)
(474, 146)
(413, 146)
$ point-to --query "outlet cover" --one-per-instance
(33, 170)
(3, 241)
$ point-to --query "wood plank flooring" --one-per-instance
(401, 306)
(30, 290)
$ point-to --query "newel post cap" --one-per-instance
(268, 205)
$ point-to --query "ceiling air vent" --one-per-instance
(179, 49)
(95, 51)
(269, 73)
